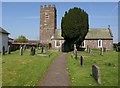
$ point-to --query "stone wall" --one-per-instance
(108, 44)
(47, 23)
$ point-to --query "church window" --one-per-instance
(99, 43)
(58, 43)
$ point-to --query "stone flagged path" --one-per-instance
(57, 74)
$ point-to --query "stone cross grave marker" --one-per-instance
(96, 73)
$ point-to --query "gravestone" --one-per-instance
(9, 49)
(31, 51)
(45, 49)
(3, 50)
(42, 48)
(81, 61)
(75, 54)
(96, 73)
(20, 46)
(89, 50)
(104, 49)
(75, 47)
(75, 51)
(24, 47)
(101, 51)
(21, 51)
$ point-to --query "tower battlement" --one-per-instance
(47, 6)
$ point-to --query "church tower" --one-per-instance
(47, 23)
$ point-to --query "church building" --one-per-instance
(49, 34)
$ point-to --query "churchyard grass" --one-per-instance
(24, 70)
(81, 76)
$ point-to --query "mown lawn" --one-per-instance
(24, 70)
(81, 76)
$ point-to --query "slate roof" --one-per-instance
(94, 33)
(99, 33)
(3, 31)
(57, 35)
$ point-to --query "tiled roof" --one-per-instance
(99, 33)
(3, 31)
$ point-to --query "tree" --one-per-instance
(21, 39)
(74, 26)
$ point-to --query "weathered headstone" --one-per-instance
(101, 51)
(75, 51)
(96, 73)
(3, 50)
(104, 49)
(75, 47)
(42, 48)
(21, 51)
(89, 50)
(24, 47)
(75, 54)
(20, 46)
(31, 51)
(81, 61)
(9, 49)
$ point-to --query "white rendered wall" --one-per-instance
(5, 41)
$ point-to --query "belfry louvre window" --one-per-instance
(46, 16)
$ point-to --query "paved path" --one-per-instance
(57, 74)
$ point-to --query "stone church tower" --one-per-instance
(47, 23)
